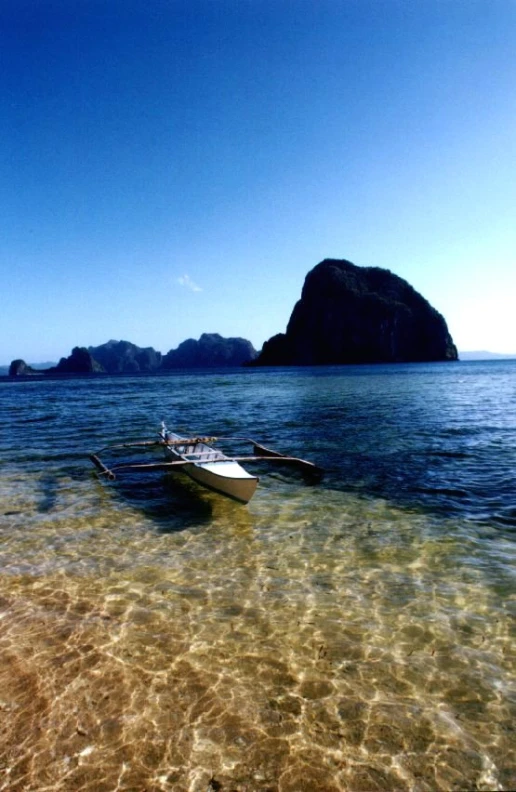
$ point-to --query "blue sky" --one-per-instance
(176, 167)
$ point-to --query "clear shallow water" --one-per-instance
(356, 635)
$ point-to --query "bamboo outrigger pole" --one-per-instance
(261, 454)
(138, 444)
(141, 466)
(102, 468)
(308, 467)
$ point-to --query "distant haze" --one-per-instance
(479, 355)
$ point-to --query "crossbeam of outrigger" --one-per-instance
(207, 465)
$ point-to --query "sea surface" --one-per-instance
(357, 634)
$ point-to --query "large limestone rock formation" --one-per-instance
(79, 362)
(350, 314)
(211, 350)
(122, 357)
(19, 368)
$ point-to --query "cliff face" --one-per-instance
(350, 314)
(19, 368)
(211, 350)
(79, 362)
(122, 357)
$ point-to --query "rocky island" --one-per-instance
(19, 368)
(211, 350)
(346, 314)
(122, 357)
(350, 314)
(79, 362)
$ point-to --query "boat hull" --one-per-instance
(211, 468)
(240, 489)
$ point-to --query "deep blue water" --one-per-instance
(440, 437)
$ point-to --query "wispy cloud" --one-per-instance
(188, 283)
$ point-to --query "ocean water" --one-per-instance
(354, 635)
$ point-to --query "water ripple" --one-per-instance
(354, 635)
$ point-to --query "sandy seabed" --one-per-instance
(301, 643)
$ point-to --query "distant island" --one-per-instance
(346, 314)
(350, 314)
(123, 357)
(36, 367)
(484, 355)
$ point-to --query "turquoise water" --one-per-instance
(354, 635)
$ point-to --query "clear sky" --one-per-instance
(173, 167)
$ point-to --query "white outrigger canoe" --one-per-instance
(203, 463)
(209, 466)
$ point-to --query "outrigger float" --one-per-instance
(203, 463)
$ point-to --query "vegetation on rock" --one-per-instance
(19, 368)
(122, 357)
(79, 362)
(211, 350)
(346, 314)
(350, 314)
